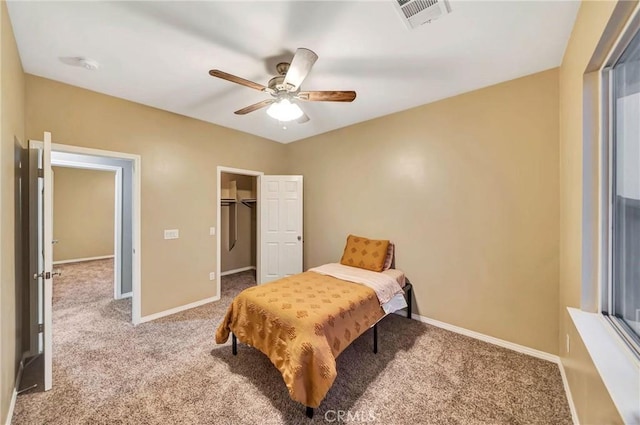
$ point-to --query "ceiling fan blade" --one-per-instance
(300, 66)
(237, 80)
(327, 96)
(254, 107)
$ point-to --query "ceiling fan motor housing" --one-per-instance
(277, 82)
(282, 68)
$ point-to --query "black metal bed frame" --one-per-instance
(408, 293)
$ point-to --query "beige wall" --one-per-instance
(179, 160)
(593, 404)
(243, 253)
(83, 213)
(11, 127)
(467, 187)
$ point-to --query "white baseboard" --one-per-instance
(79, 260)
(12, 406)
(567, 391)
(175, 310)
(234, 271)
(486, 338)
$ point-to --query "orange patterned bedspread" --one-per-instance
(302, 323)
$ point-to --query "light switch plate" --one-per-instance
(212, 276)
(212, 231)
(171, 234)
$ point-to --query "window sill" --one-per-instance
(618, 369)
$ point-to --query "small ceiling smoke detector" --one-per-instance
(82, 62)
(418, 12)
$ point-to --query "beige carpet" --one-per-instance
(170, 371)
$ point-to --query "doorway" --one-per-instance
(127, 244)
(238, 211)
(279, 222)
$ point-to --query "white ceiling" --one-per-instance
(159, 53)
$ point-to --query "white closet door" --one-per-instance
(280, 227)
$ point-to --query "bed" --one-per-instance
(303, 322)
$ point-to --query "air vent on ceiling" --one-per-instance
(418, 12)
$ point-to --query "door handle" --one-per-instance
(299, 238)
(55, 241)
(46, 275)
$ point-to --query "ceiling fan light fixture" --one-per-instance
(284, 111)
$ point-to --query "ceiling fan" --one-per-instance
(285, 89)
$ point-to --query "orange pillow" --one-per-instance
(365, 253)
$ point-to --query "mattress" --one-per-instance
(398, 275)
(387, 284)
(302, 323)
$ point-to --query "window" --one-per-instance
(622, 300)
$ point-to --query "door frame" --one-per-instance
(136, 286)
(117, 275)
(222, 169)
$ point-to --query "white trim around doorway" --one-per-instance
(136, 293)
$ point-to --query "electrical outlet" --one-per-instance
(212, 276)
(568, 344)
(212, 231)
(171, 234)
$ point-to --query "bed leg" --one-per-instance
(375, 338)
(234, 344)
(309, 412)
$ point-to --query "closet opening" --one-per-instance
(238, 214)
